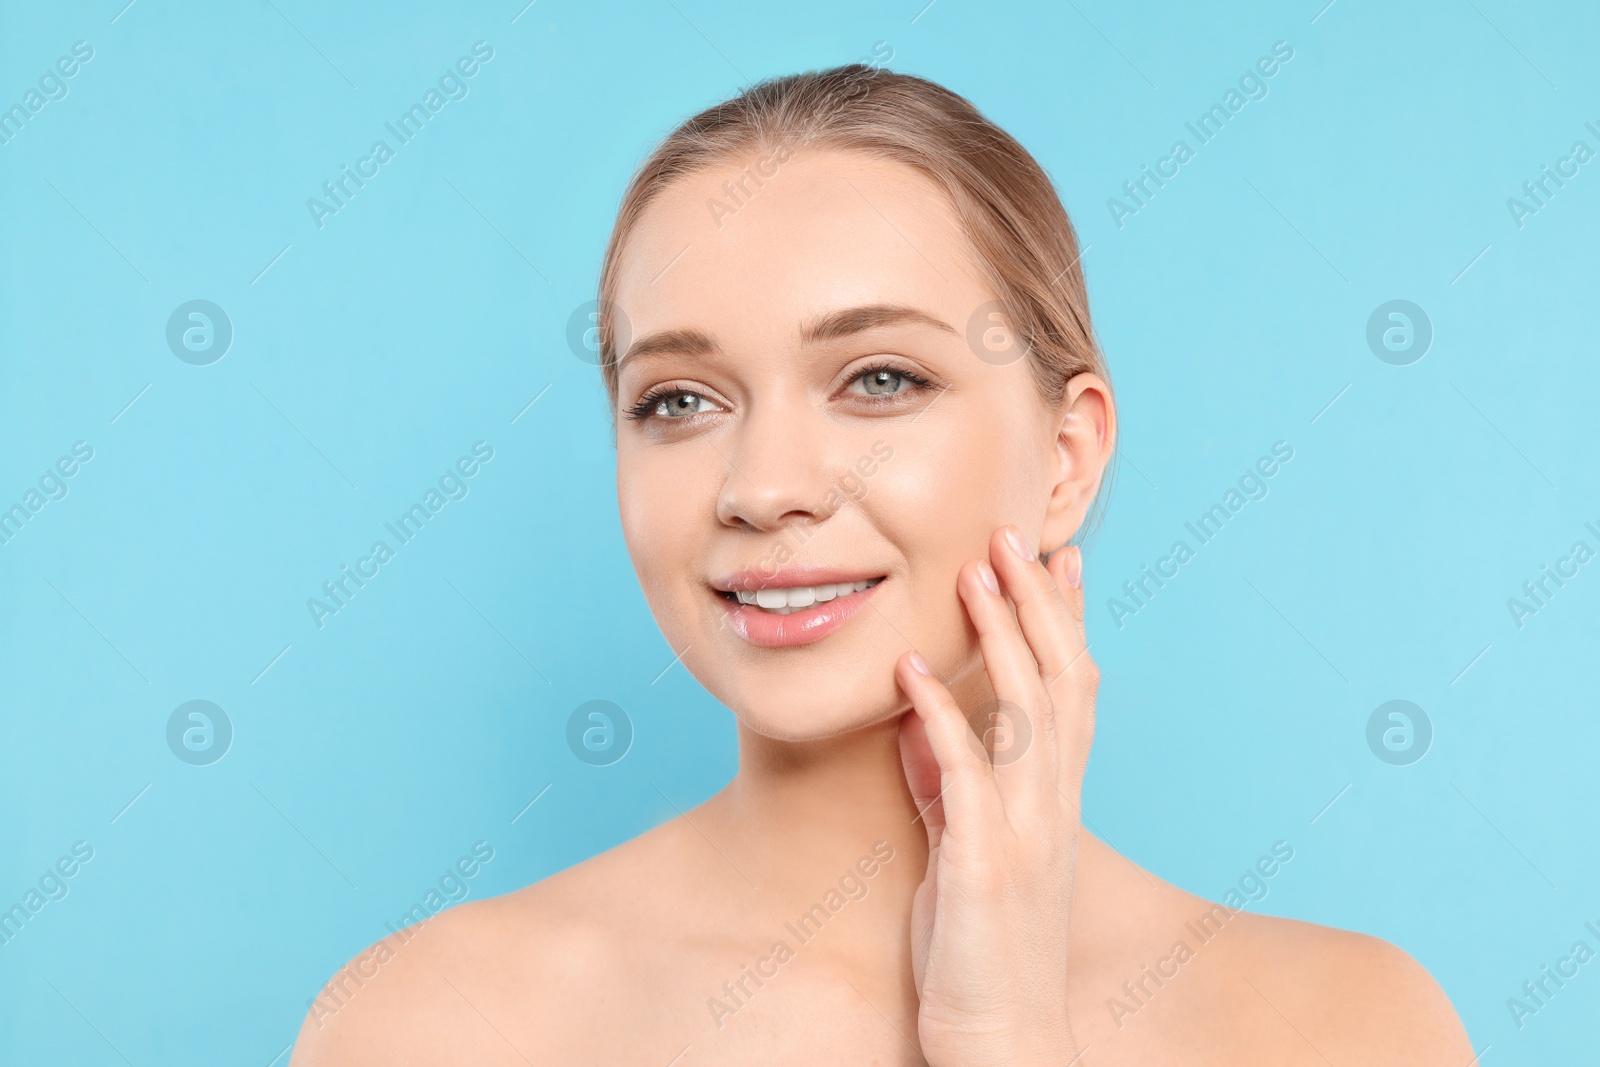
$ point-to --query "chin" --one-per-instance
(815, 712)
(838, 685)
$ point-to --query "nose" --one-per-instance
(777, 472)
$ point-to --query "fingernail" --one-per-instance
(920, 665)
(1019, 544)
(1075, 568)
(986, 572)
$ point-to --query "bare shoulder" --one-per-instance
(1351, 997)
(487, 981)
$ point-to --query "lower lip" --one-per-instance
(803, 627)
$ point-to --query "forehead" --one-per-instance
(758, 245)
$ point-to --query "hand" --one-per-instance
(989, 923)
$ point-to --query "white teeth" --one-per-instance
(784, 601)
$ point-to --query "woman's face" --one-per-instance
(801, 412)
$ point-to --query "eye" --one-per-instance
(672, 404)
(887, 380)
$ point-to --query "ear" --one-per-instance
(1086, 439)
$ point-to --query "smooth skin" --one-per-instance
(999, 930)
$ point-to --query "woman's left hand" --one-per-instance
(990, 922)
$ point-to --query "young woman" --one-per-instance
(846, 340)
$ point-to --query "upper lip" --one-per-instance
(755, 578)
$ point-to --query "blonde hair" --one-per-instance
(1024, 242)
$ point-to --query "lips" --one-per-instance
(796, 606)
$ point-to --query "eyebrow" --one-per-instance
(832, 326)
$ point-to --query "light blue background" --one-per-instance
(429, 312)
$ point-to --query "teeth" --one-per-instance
(784, 601)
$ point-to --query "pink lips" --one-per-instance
(801, 627)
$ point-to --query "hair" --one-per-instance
(1025, 245)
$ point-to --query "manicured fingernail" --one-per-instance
(1019, 544)
(990, 582)
(920, 665)
(1075, 568)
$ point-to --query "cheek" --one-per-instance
(939, 500)
(661, 521)
(943, 494)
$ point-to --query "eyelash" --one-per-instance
(647, 404)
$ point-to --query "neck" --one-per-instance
(806, 812)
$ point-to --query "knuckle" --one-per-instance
(1091, 675)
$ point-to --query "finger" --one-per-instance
(1079, 682)
(1066, 569)
(1014, 676)
(922, 775)
(1042, 609)
(966, 789)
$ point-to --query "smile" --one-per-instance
(776, 611)
(786, 601)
